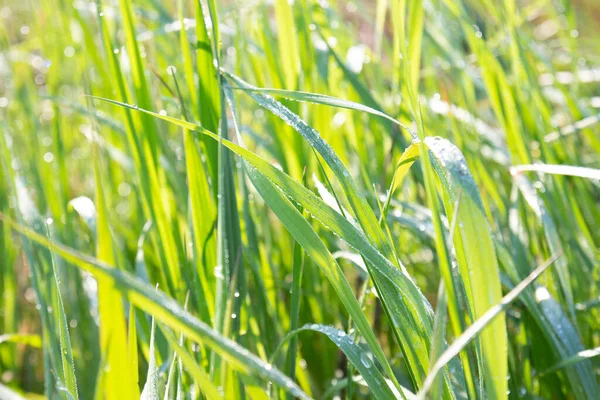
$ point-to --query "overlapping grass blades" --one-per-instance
(168, 311)
(263, 207)
(476, 258)
(412, 307)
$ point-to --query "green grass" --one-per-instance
(251, 200)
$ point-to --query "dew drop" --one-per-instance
(366, 360)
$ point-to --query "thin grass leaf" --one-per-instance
(297, 267)
(569, 170)
(132, 351)
(150, 391)
(60, 319)
(317, 98)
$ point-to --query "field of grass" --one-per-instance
(205, 199)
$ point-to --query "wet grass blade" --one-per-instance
(360, 358)
(477, 262)
(569, 170)
(60, 320)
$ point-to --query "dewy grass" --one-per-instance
(164, 232)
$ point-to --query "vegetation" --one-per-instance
(304, 199)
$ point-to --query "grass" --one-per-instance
(369, 199)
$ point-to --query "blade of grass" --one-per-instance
(60, 319)
(360, 358)
(569, 170)
(150, 391)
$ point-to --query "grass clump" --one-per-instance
(371, 199)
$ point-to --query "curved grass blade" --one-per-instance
(475, 255)
(567, 342)
(361, 359)
(408, 157)
(416, 354)
(581, 356)
(317, 98)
